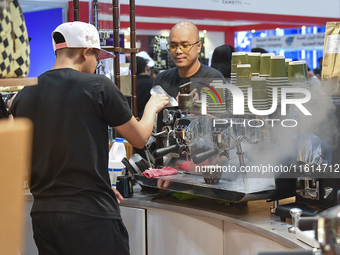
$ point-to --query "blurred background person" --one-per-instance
(314, 80)
(221, 59)
(150, 62)
(258, 50)
(144, 84)
(318, 71)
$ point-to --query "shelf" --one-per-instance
(118, 49)
(7, 82)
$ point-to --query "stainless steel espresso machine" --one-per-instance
(189, 139)
(196, 141)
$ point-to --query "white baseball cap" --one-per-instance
(79, 34)
(150, 62)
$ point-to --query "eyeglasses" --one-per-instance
(184, 47)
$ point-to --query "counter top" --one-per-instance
(253, 215)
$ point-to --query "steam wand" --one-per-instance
(241, 154)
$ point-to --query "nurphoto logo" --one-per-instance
(238, 102)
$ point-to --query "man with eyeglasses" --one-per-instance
(184, 45)
(75, 209)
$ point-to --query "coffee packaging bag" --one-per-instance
(331, 60)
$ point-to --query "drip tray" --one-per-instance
(232, 190)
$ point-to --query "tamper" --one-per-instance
(296, 213)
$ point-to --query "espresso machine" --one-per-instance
(201, 140)
(184, 136)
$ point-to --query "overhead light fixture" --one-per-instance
(303, 27)
(277, 29)
(253, 31)
(204, 31)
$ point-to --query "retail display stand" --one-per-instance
(116, 49)
(132, 50)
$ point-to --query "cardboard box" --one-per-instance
(129, 150)
(125, 79)
(15, 162)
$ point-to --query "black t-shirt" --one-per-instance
(170, 80)
(144, 85)
(71, 112)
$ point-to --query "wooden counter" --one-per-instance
(206, 226)
(158, 224)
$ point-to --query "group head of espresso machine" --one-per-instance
(171, 138)
(183, 137)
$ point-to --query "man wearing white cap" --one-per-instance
(75, 210)
(143, 54)
(150, 62)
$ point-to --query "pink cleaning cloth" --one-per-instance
(186, 165)
(159, 172)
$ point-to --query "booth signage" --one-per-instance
(310, 8)
(307, 41)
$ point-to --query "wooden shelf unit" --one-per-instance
(7, 82)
